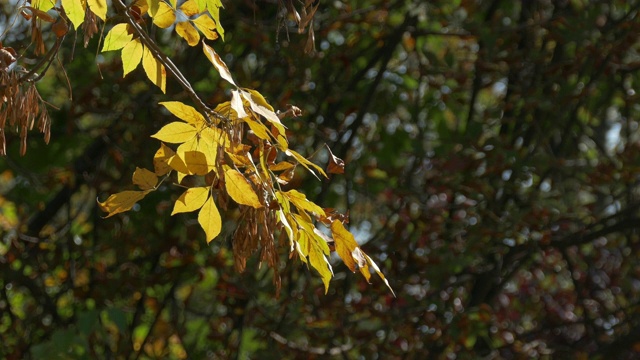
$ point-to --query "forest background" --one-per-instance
(492, 157)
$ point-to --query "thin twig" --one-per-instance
(165, 60)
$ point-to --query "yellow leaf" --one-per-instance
(319, 262)
(257, 127)
(188, 32)
(351, 254)
(196, 162)
(75, 11)
(184, 112)
(307, 226)
(214, 9)
(175, 133)
(154, 69)
(191, 200)
(260, 106)
(117, 38)
(122, 201)
(218, 63)
(345, 246)
(209, 219)
(43, 5)
(177, 164)
(199, 154)
(240, 189)
(207, 26)
(98, 7)
(365, 270)
(189, 8)
(144, 178)
(142, 6)
(306, 163)
(283, 165)
(301, 202)
(161, 160)
(285, 223)
(131, 56)
(164, 16)
(202, 5)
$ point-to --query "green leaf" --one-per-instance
(131, 56)
(117, 38)
(75, 12)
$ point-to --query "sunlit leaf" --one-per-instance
(260, 106)
(98, 7)
(207, 26)
(154, 69)
(375, 267)
(196, 162)
(189, 8)
(164, 17)
(75, 12)
(209, 219)
(175, 133)
(237, 105)
(131, 56)
(319, 262)
(177, 164)
(199, 153)
(214, 9)
(240, 189)
(161, 160)
(117, 38)
(218, 63)
(144, 178)
(301, 202)
(257, 127)
(306, 163)
(345, 246)
(188, 32)
(43, 5)
(122, 201)
(184, 112)
(191, 200)
(283, 165)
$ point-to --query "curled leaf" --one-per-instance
(218, 63)
(121, 202)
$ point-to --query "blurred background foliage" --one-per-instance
(492, 152)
